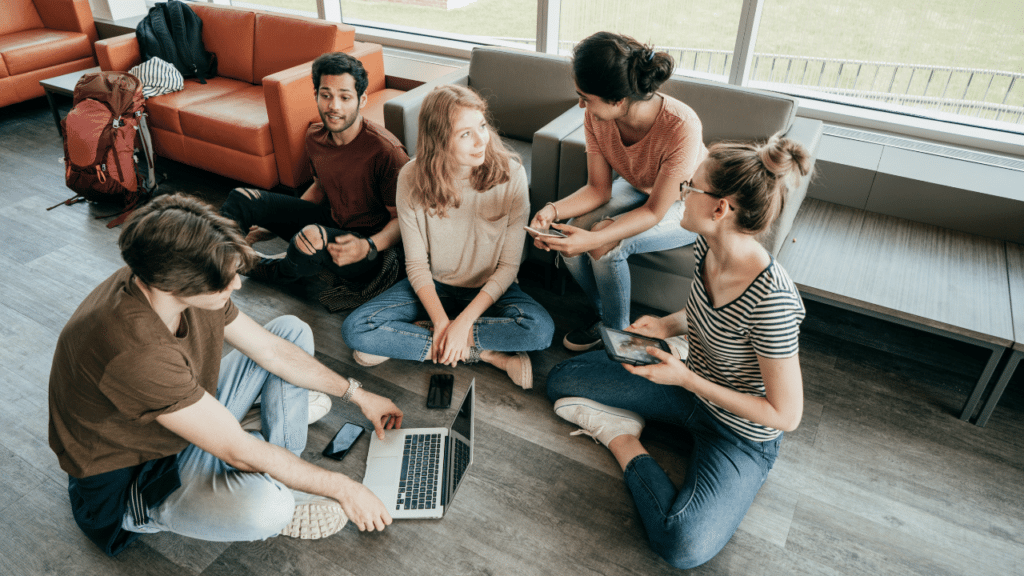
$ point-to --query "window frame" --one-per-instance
(548, 15)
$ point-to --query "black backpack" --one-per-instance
(173, 32)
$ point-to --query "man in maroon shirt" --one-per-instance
(347, 216)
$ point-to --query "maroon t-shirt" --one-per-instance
(359, 178)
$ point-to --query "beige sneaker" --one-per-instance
(600, 422)
(319, 406)
(315, 517)
(364, 359)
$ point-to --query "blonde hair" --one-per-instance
(757, 176)
(434, 183)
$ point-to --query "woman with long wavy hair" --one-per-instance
(462, 205)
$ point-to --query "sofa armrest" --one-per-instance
(546, 146)
(119, 53)
(401, 114)
(69, 15)
(291, 108)
(808, 133)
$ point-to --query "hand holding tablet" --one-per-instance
(630, 348)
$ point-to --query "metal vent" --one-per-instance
(926, 147)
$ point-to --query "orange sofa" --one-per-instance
(249, 122)
(40, 39)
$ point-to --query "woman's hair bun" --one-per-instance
(783, 157)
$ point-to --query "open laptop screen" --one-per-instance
(459, 452)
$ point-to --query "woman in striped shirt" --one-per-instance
(740, 386)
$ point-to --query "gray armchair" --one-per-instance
(662, 279)
(532, 101)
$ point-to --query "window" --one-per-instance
(502, 22)
(699, 34)
(297, 7)
(954, 61)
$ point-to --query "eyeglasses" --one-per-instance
(685, 188)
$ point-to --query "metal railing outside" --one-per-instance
(994, 95)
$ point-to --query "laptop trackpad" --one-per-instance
(382, 476)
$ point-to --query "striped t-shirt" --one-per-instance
(726, 341)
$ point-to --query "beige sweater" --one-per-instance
(478, 245)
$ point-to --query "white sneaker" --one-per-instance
(315, 517)
(319, 406)
(364, 359)
(600, 422)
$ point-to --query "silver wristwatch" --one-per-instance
(353, 385)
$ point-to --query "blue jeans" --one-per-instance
(689, 525)
(606, 280)
(218, 502)
(384, 325)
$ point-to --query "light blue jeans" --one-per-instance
(689, 525)
(384, 325)
(218, 502)
(606, 280)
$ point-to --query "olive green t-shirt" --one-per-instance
(117, 367)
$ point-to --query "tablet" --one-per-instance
(630, 348)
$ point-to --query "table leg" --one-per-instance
(979, 388)
(997, 392)
(53, 108)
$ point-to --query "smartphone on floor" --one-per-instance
(439, 395)
(343, 441)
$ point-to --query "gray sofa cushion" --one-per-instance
(733, 113)
(542, 85)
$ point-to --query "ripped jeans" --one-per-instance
(308, 227)
(606, 280)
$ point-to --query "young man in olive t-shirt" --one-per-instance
(144, 412)
(347, 216)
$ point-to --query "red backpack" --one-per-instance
(108, 152)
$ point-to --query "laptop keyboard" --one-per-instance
(417, 486)
(461, 455)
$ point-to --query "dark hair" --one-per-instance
(180, 245)
(336, 64)
(757, 177)
(613, 67)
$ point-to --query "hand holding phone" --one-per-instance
(343, 441)
(549, 232)
(439, 395)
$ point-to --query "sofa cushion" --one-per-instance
(164, 110)
(237, 120)
(19, 15)
(524, 90)
(30, 50)
(729, 112)
(276, 46)
(3, 67)
(229, 34)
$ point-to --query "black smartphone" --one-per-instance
(343, 441)
(440, 393)
(630, 348)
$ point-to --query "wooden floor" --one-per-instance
(880, 478)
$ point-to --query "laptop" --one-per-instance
(417, 471)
